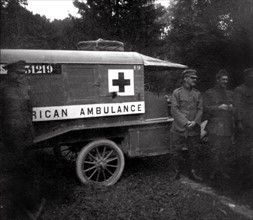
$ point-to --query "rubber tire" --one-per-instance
(91, 146)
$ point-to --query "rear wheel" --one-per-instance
(66, 153)
(101, 162)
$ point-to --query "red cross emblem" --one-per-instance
(121, 81)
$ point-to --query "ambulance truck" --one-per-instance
(96, 107)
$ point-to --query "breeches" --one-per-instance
(178, 143)
(16, 137)
(244, 151)
(220, 149)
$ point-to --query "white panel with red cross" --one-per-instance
(121, 81)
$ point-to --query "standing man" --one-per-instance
(17, 186)
(16, 109)
(186, 109)
(243, 101)
(218, 108)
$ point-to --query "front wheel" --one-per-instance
(101, 162)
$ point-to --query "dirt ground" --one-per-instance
(143, 192)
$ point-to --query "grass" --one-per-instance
(144, 191)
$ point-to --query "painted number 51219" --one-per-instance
(39, 69)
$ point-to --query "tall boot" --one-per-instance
(177, 169)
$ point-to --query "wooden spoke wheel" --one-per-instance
(101, 162)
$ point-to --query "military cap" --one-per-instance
(248, 72)
(189, 72)
(221, 73)
(15, 65)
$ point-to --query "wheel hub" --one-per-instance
(100, 163)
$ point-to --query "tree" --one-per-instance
(21, 29)
(211, 34)
(67, 33)
(6, 3)
(136, 23)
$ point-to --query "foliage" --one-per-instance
(21, 29)
(67, 33)
(209, 35)
(136, 23)
(6, 3)
(203, 34)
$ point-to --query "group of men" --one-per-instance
(225, 111)
(229, 118)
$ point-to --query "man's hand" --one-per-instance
(223, 107)
(190, 124)
(230, 107)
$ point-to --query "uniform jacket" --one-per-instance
(16, 113)
(243, 101)
(186, 105)
(220, 122)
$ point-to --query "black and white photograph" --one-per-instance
(126, 110)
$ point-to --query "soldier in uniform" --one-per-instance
(186, 109)
(16, 109)
(243, 101)
(21, 196)
(218, 109)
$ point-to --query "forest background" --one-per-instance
(204, 34)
